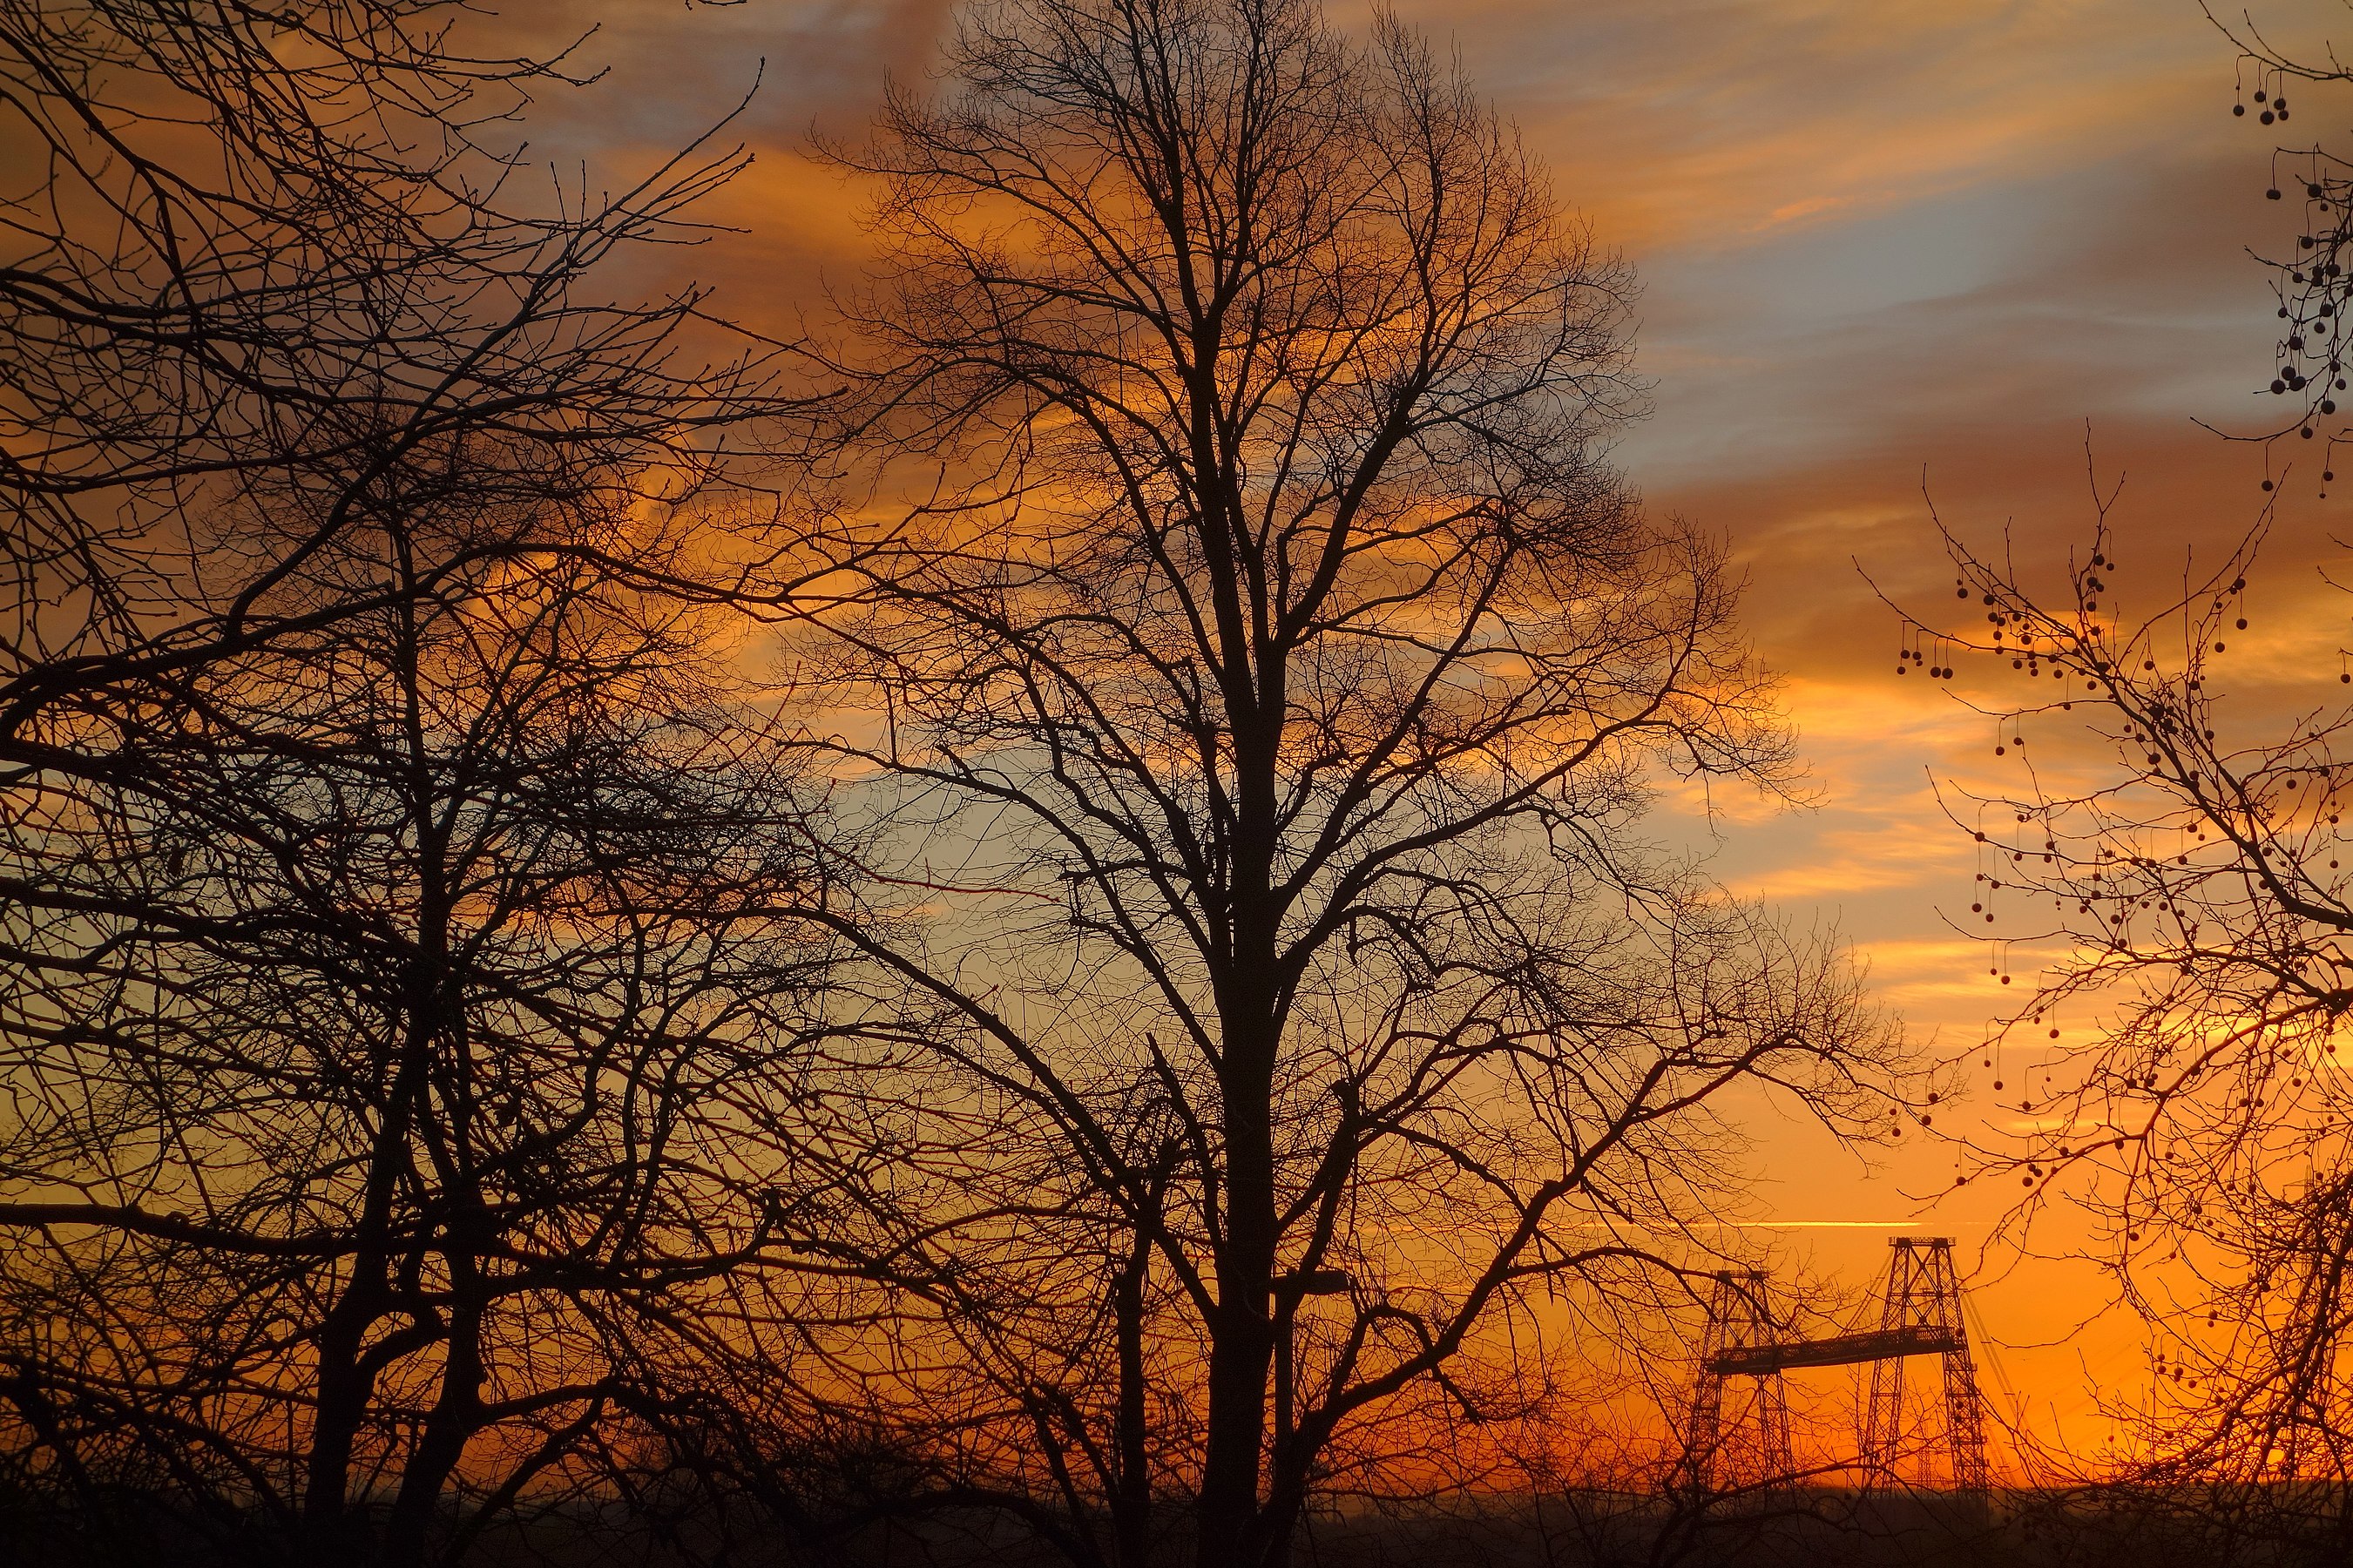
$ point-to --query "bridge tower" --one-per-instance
(1919, 1314)
(1921, 1302)
(1739, 1327)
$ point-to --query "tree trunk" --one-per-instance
(345, 1381)
(1131, 1503)
(1241, 1333)
(344, 1388)
(455, 1415)
(1240, 1349)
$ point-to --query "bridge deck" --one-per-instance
(1754, 1360)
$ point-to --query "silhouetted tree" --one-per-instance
(398, 974)
(2170, 854)
(1255, 720)
(2196, 895)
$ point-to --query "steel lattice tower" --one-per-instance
(1739, 1324)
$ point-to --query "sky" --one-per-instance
(1896, 253)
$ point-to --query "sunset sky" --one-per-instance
(1882, 241)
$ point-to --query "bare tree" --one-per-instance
(2195, 893)
(394, 923)
(1255, 720)
(2170, 854)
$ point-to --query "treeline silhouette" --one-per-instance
(1019, 930)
